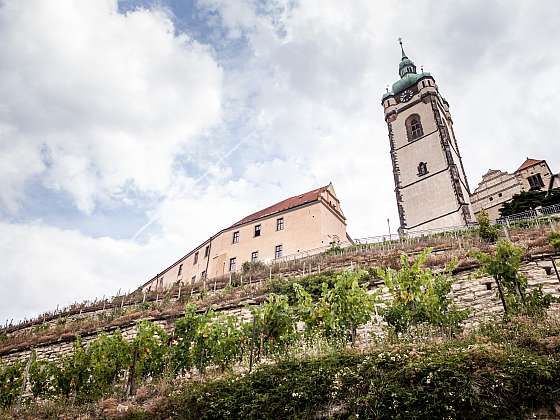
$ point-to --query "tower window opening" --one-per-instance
(414, 127)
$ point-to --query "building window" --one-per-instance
(236, 237)
(232, 264)
(203, 274)
(254, 256)
(180, 270)
(499, 194)
(257, 230)
(195, 258)
(422, 168)
(206, 251)
(535, 182)
(278, 251)
(193, 279)
(414, 127)
(280, 223)
(491, 198)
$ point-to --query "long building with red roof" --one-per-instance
(302, 223)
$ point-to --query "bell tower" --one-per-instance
(430, 182)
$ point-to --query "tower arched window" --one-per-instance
(422, 168)
(414, 127)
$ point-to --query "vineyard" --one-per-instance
(313, 318)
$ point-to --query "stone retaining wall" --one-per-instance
(470, 291)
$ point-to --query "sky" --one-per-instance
(131, 131)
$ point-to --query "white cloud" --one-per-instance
(99, 104)
(111, 99)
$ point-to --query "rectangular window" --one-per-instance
(278, 251)
(535, 182)
(235, 237)
(195, 258)
(257, 230)
(254, 256)
(206, 251)
(180, 270)
(193, 279)
(232, 264)
(280, 223)
(203, 274)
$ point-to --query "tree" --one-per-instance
(530, 200)
(420, 296)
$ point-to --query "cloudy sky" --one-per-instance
(131, 131)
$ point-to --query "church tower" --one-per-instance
(430, 182)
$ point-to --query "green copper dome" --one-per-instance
(409, 77)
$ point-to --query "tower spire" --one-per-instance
(402, 49)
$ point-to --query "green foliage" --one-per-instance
(466, 379)
(486, 230)
(181, 352)
(249, 267)
(530, 200)
(217, 341)
(43, 378)
(312, 284)
(274, 323)
(420, 296)
(109, 356)
(334, 249)
(151, 348)
(11, 379)
(340, 310)
(554, 241)
(512, 285)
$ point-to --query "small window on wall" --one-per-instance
(195, 258)
(206, 251)
(180, 270)
(193, 279)
(232, 264)
(203, 274)
(535, 182)
(278, 251)
(257, 230)
(254, 256)
(235, 237)
(491, 198)
(280, 223)
(422, 168)
(499, 194)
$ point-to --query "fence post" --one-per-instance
(506, 232)
(252, 344)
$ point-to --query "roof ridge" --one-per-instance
(283, 205)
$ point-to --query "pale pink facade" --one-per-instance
(298, 224)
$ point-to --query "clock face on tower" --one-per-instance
(406, 95)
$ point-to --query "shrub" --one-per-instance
(486, 230)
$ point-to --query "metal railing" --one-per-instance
(531, 215)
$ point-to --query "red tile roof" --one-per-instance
(528, 163)
(284, 205)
